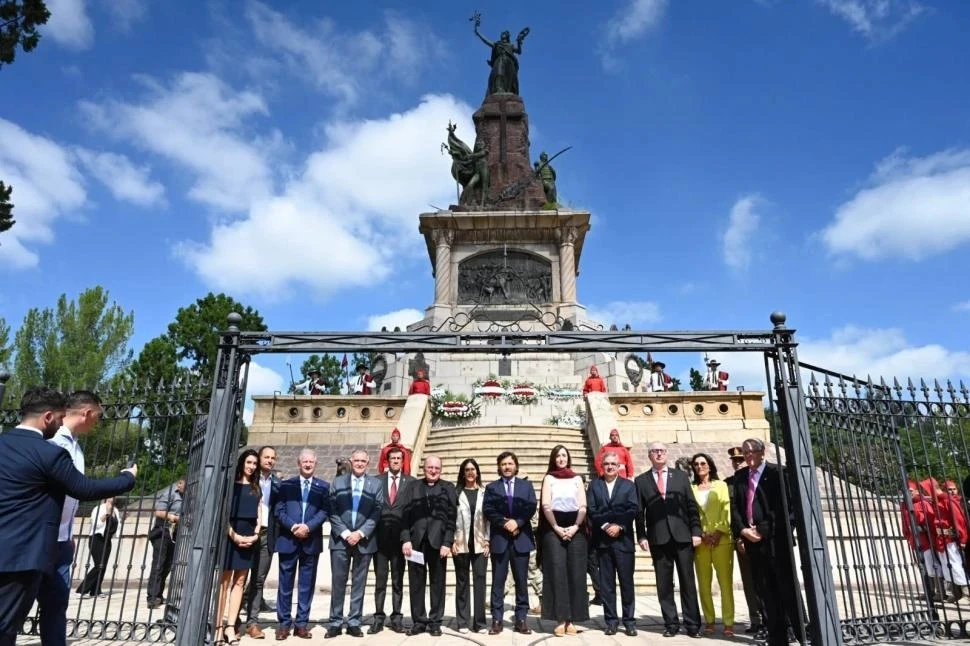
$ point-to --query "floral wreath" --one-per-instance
(448, 405)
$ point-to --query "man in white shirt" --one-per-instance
(83, 411)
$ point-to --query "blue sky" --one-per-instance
(738, 156)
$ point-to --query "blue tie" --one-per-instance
(306, 496)
(356, 503)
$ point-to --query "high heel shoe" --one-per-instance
(234, 640)
(219, 636)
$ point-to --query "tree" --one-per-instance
(5, 349)
(674, 384)
(157, 361)
(696, 379)
(6, 207)
(196, 328)
(19, 20)
(79, 344)
(329, 368)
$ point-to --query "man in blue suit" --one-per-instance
(302, 507)
(355, 509)
(33, 483)
(509, 504)
(612, 504)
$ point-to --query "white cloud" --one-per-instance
(47, 186)
(261, 381)
(863, 352)
(341, 63)
(629, 22)
(203, 125)
(354, 205)
(634, 313)
(126, 13)
(962, 307)
(742, 225)
(876, 20)
(69, 24)
(126, 181)
(399, 318)
(910, 207)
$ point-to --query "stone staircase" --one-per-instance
(532, 445)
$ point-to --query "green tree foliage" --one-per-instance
(696, 379)
(330, 370)
(6, 207)
(19, 20)
(196, 328)
(157, 361)
(674, 384)
(6, 350)
(364, 359)
(78, 344)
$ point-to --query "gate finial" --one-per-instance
(778, 319)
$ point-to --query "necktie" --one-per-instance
(508, 495)
(662, 484)
(356, 502)
(749, 499)
(306, 496)
(393, 489)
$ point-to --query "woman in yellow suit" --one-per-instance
(716, 550)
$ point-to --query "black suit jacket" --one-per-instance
(768, 508)
(674, 518)
(389, 526)
(35, 477)
(429, 514)
(621, 509)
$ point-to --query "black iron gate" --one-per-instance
(900, 571)
(161, 426)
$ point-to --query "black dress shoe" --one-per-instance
(596, 600)
(671, 632)
(416, 629)
(496, 628)
(696, 634)
(610, 630)
(396, 626)
(376, 627)
(753, 629)
(355, 631)
(332, 632)
(631, 631)
(435, 631)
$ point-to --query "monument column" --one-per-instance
(567, 264)
(442, 266)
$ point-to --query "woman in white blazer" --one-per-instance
(470, 549)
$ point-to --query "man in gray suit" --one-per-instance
(355, 510)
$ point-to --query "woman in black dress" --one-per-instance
(245, 519)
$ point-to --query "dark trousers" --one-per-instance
(593, 570)
(774, 576)
(17, 593)
(501, 564)
(433, 571)
(751, 597)
(343, 563)
(100, 553)
(54, 595)
(474, 619)
(665, 558)
(388, 559)
(262, 557)
(163, 549)
(615, 564)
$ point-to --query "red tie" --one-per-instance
(749, 499)
(393, 488)
(662, 484)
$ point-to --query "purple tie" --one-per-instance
(508, 495)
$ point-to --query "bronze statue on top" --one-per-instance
(547, 175)
(504, 77)
(468, 167)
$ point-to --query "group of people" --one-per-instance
(393, 522)
(934, 519)
(658, 380)
(363, 383)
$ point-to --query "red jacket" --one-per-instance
(382, 461)
(420, 387)
(594, 385)
(623, 453)
(924, 517)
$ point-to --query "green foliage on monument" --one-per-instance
(696, 379)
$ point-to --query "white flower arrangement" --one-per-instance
(451, 406)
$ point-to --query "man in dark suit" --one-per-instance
(388, 557)
(269, 485)
(751, 598)
(302, 508)
(33, 483)
(759, 521)
(428, 527)
(509, 504)
(355, 509)
(669, 525)
(612, 505)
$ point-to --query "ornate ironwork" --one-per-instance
(634, 369)
(504, 277)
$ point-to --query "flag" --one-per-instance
(343, 364)
(649, 359)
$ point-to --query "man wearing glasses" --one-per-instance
(669, 525)
(612, 507)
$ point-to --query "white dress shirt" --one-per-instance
(65, 439)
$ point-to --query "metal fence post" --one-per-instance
(206, 532)
(824, 626)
